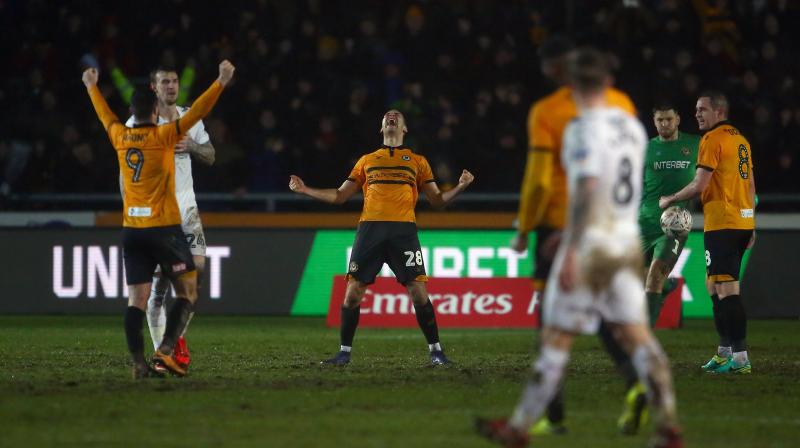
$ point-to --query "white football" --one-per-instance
(676, 221)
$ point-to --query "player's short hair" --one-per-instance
(554, 47)
(588, 69)
(161, 68)
(143, 102)
(665, 105)
(717, 99)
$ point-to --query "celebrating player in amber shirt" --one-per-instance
(391, 178)
(725, 182)
(151, 219)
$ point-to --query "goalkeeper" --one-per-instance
(669, 166)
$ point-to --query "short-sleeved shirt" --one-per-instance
(547, 120)
(390, 179)
(727, 200)
(184, 184)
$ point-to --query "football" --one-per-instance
(676, 221)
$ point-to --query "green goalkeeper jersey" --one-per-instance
(669, 166)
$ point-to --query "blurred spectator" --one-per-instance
(314, 78)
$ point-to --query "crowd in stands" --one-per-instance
(314, 78)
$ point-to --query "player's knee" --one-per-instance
(186, 286)
(354, 294)
(352, 300)
(656, 276)
(199, 264)
(138, 295)
(417, 292)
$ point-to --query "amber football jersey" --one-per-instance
(547, 120)
(391, 179)
(727, 200)
(147, 160)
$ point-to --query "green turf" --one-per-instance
(257, 382)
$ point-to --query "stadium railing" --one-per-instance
(287, 202)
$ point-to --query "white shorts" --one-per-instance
(193, 230)
(580, 310)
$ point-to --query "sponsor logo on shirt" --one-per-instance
(139, 212)
(746, 212)
(672, 164)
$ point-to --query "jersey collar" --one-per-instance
(143, 125)
(721, 123)
(392, 149)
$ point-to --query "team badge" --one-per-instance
(685, 151)
(353, 266)
(406, 158)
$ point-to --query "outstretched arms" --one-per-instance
(329, 195)
(439, 199)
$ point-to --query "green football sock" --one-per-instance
(654, 302)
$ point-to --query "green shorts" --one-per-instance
(662, 247)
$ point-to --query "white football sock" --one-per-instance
(724, 352)
(156, 313)
(652, 367)
(437, 347)
(548, 370)
(344, 348)
(740, 358)
(191, 315)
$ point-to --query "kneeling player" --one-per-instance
(391, 178)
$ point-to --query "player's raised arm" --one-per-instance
(104, 113)
(329, 195)
(202, 105)
(439, 199)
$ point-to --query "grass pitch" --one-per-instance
(257, 382)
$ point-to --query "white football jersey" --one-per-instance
(609, 145)
(184, 184)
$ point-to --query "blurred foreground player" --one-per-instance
(543, 197)
(596, 272)
(151, 219)
(391, 178)
(725, 182)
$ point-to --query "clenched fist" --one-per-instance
(296, 184)
(466, 178)
(226, 70)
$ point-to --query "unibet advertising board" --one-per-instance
(475, 254)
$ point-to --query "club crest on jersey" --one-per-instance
(353, 266)
(685, 151)
(406, 158)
